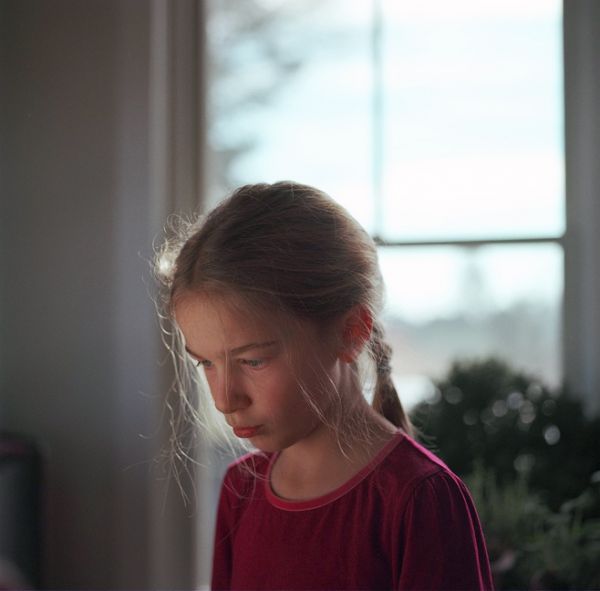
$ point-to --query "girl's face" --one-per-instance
(260, 375)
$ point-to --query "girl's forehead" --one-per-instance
(213, 325)
(218, 316)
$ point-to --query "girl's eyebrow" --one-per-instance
(238, 350)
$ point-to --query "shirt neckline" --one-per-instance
(320, 501)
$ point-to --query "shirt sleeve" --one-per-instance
(442, 545)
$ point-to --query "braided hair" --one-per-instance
(385, 398)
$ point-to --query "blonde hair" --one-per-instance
(288, 247)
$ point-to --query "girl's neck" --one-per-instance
(326, 459)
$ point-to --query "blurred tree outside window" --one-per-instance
(439, 126)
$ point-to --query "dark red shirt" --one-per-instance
(403, 522)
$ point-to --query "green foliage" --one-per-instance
(514, 425)
(531, 458)
(569, 547)
(531, 546)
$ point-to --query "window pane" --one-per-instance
(472, 119)
(466, 141)
(449, 303)
(290, 97)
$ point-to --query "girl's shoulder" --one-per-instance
(412, 457)
(255, 459)
(243, 473)
(409, 465)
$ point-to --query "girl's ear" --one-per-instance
(356, 327)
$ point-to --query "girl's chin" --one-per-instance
(264, 446)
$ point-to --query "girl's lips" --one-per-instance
(245, 432)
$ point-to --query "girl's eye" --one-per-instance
(253, 363)
(205, 363)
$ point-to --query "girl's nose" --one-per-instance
(228, 396)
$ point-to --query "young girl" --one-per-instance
(276, 294)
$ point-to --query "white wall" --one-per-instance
(86, 103)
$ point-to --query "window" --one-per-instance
(439, 126)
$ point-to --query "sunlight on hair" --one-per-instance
(166, 262)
